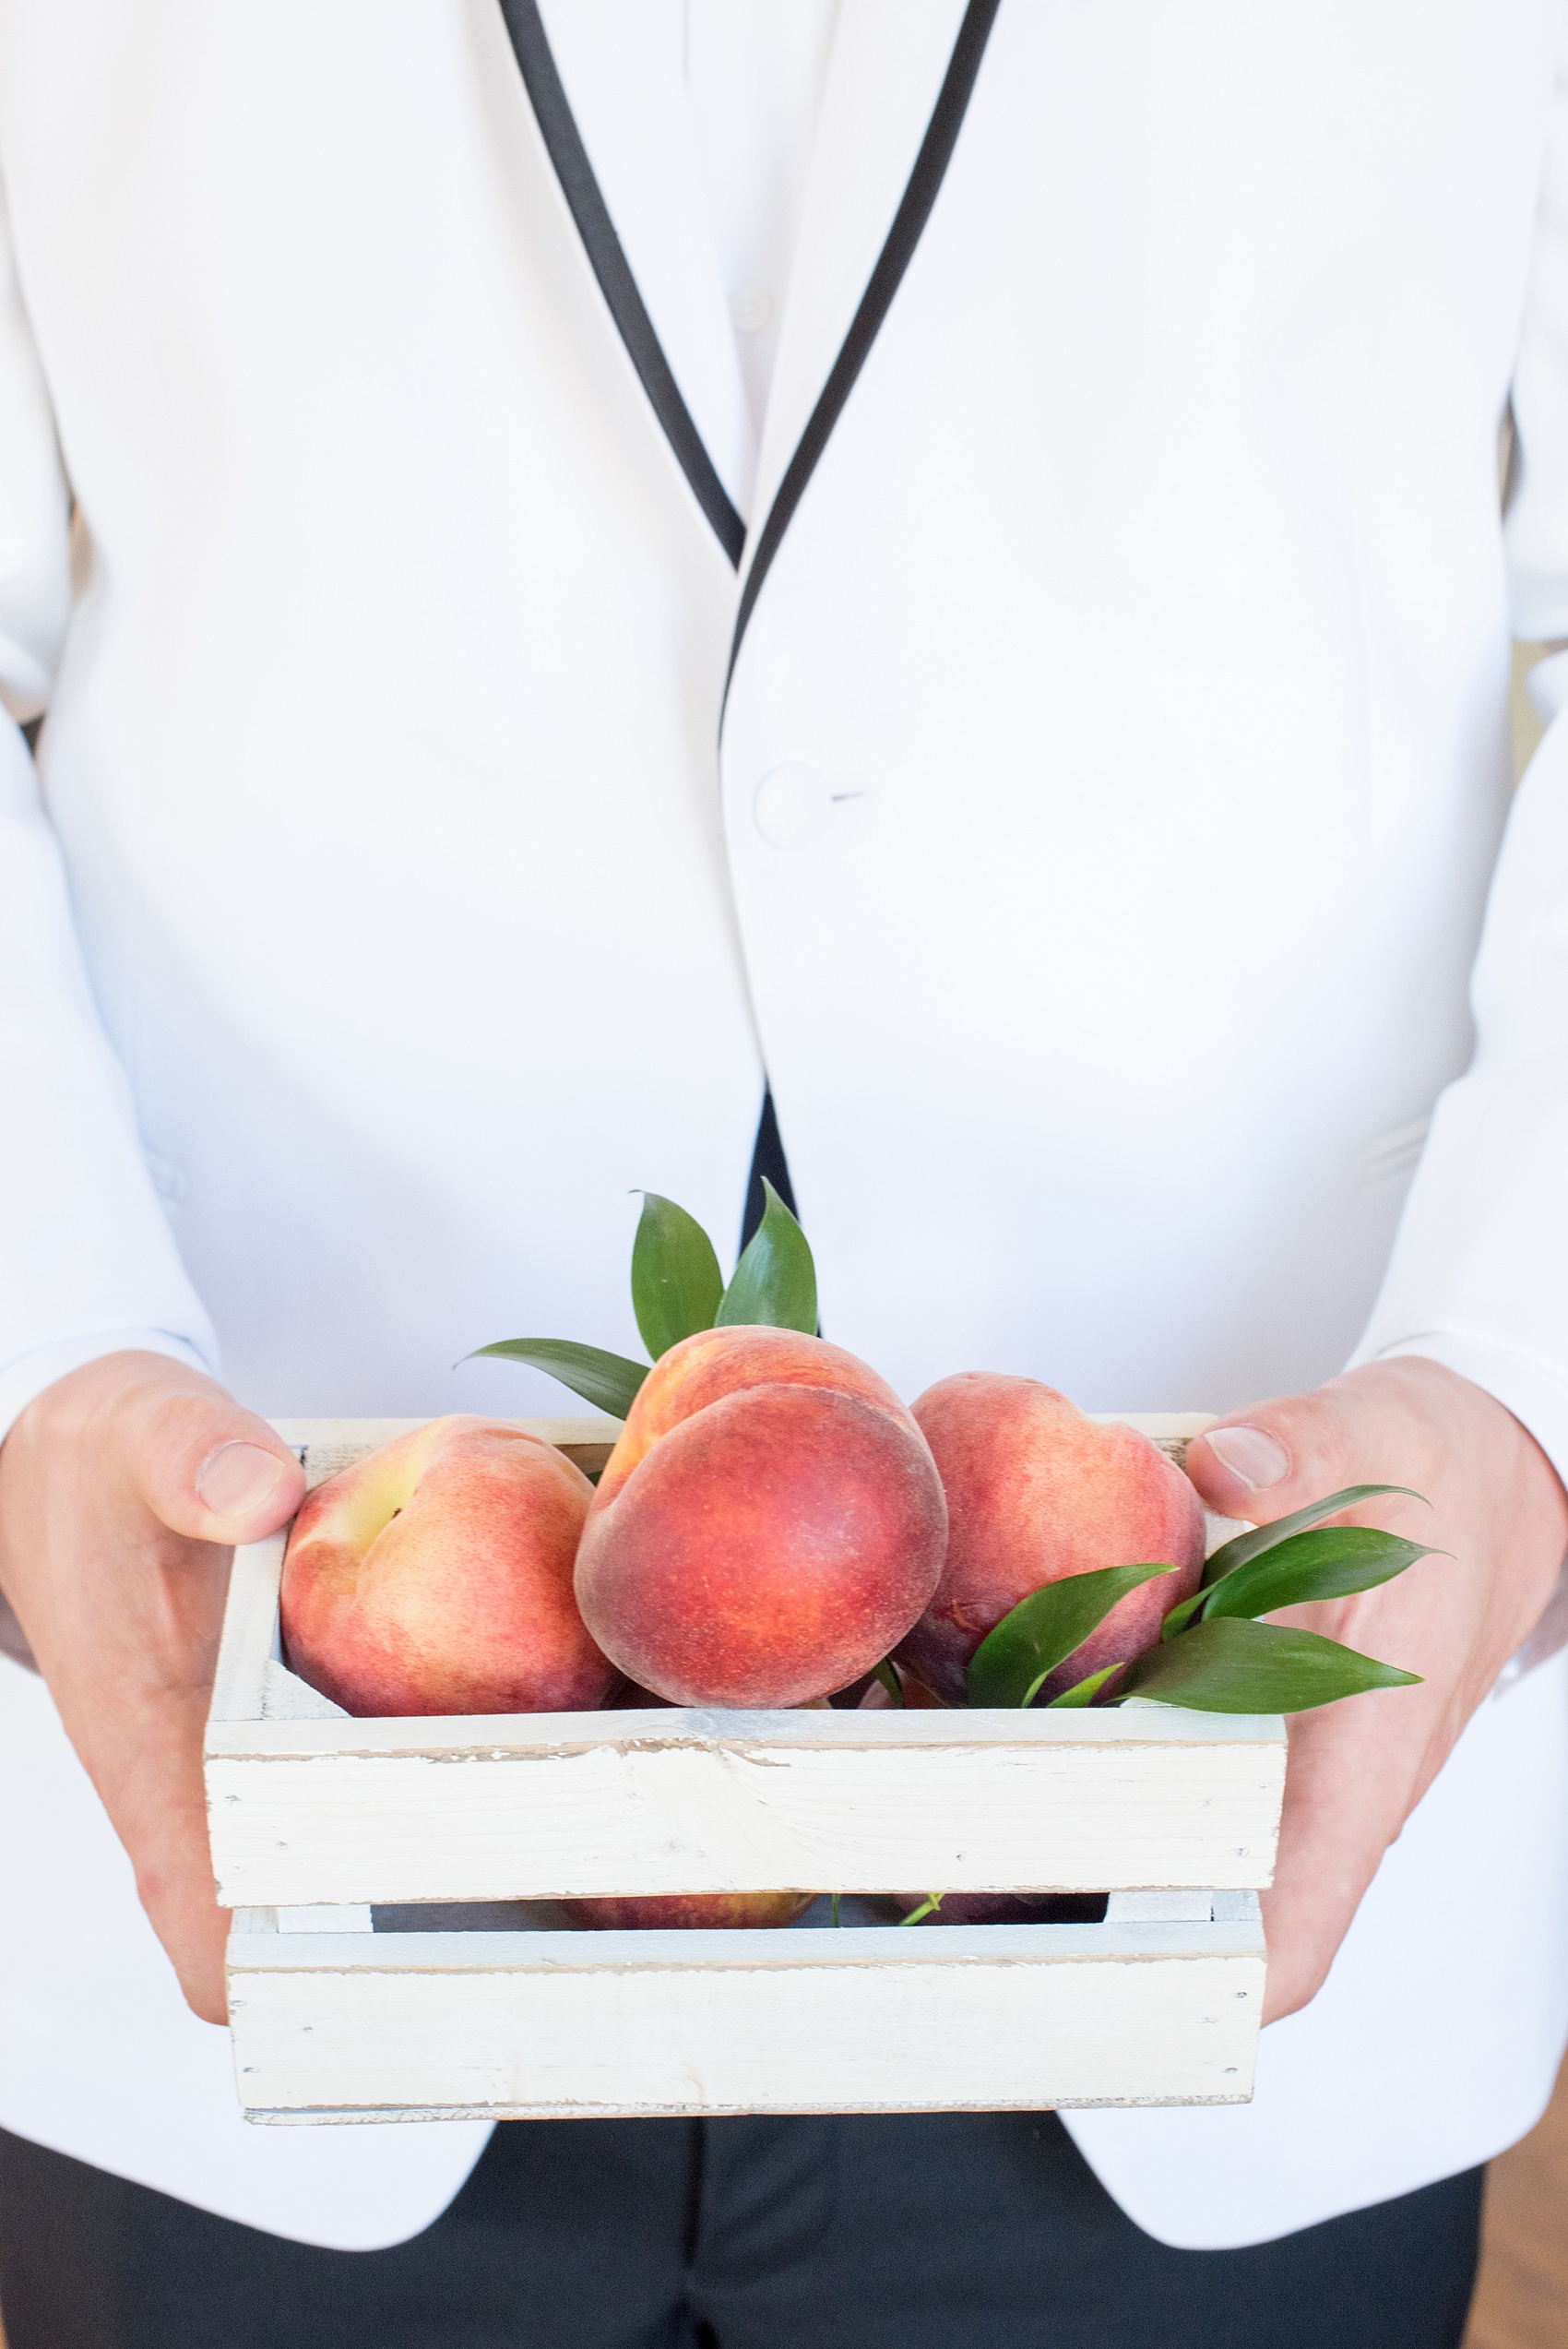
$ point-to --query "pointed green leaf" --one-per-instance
(1182, 1614)
(676, 1283)
(1235, 1665)
(1328, 1564)
(775, 1281)
(1084, 1692)
(1265, 1537)
(1042, 1631)
(607, 1380)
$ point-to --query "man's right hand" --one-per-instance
(123, 1489)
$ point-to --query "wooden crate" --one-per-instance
(319, 1820)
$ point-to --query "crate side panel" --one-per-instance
(250, 1623)
(692, 1819)
(520, 1736)
(944, 2035)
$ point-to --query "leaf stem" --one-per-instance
(928, 1907)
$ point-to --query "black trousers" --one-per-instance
(969, 2232)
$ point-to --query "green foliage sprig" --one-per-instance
(1043, 1630)
(677, 1289)
(1213, 1655)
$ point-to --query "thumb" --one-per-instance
(1277, 1456)
(205, 1467)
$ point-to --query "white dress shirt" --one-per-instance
(754, 72)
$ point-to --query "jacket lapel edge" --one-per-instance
(920, 191)
(607, 258)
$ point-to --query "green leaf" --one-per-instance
(1084, 1692)
(887, 1673)
(1266, 1537)
(1235, 1665)
(676, 1283)
(607, 1380)
(1182, 1614)
(1042, 1631)
(1328, 1564)
(775, 1281)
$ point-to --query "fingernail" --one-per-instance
(1256, 1459)
(237, 1478)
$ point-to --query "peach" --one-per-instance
(611, 1913)
(1037, 1490)
(769, 1523)
(435, 1577)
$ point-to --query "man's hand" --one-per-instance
(1359, 1768)
(123, 1488)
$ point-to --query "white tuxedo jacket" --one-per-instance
(1094, 844)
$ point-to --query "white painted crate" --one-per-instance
(317, 1819)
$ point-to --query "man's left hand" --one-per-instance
(1359, 1768)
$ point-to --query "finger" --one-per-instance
(1277, 1456)
(1355, 1770)
(176, 1886)
(208, 1468)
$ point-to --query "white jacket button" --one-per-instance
(792, 807)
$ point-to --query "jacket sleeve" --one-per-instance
(88, 1264)
(1478, 1277)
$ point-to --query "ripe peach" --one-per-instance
(1037, 1490)
(768, 1524)
(436, 1576)
(610, 1914)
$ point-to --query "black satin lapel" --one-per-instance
(563, 141)
(908, 225)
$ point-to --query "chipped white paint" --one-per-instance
(561, 1805)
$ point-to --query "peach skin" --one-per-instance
(768, 1524)
(607, 1913)
(435, 1577)
(1036, 1490)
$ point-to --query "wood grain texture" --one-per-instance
(664, 1802)
(542, 2026)
(1522, 2296)
(250, 1631)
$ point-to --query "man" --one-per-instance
(940, 558)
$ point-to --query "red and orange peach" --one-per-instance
(435, 1577)
(1037, 1490)
(768, 1525)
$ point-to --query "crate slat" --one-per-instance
(540, 2026)
(698, 1803)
